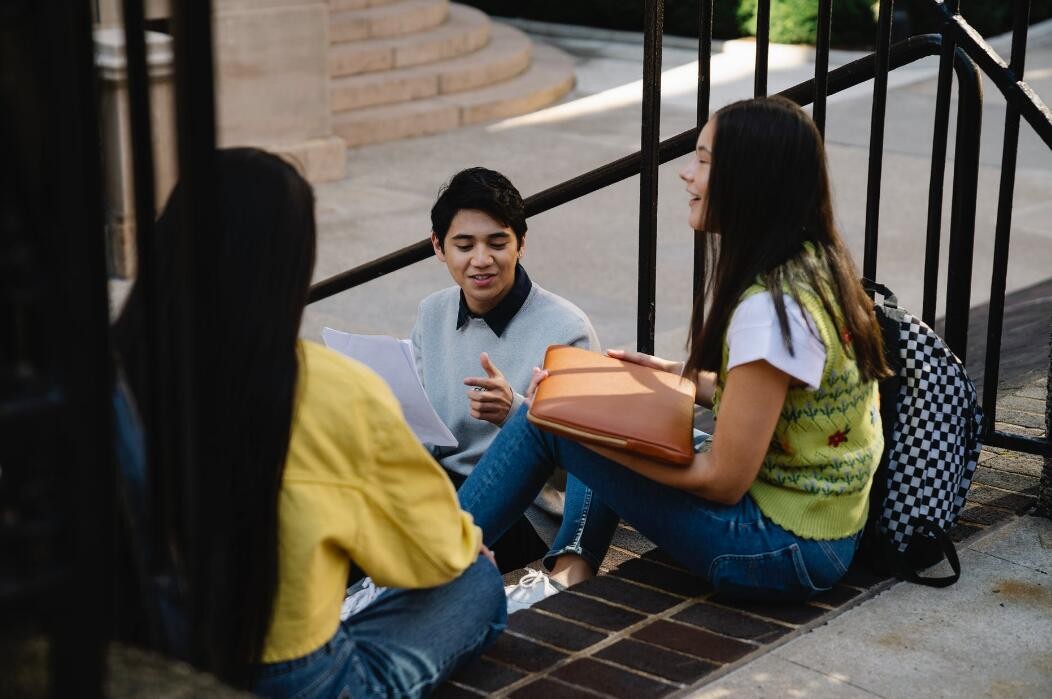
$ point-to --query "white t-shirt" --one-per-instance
(754, 334)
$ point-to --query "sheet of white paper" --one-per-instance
(393, 360)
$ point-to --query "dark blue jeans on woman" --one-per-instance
(404, 644)
(738, 549)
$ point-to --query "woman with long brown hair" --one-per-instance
(307, 468)
(788, 357)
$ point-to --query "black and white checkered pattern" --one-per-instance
(935, 445)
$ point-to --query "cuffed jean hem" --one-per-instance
(549, 560)
(588, 527)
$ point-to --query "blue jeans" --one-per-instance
(588, 526)
(739, 550)
(404, 644)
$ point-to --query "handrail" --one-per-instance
(840, 79)
(970, 55)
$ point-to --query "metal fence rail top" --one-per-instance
(962, 51)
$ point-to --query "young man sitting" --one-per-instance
(477, 343)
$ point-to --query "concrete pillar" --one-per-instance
(272, 81)
(116, 136)
(271, 78)
(110, 11)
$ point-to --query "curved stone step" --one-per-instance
(549, 77)
(340, 5)
(465, 30)
(388, 20)
(506, 55)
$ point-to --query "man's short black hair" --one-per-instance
(482, 189)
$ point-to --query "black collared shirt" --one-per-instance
(498, 318)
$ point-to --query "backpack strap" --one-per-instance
(876, 287)
(890, 560)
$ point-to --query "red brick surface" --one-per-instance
(657, 661)
(693, 641)
(611, 680)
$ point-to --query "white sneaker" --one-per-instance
(359, 596)
(531, 589)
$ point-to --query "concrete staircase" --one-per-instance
(402, 68)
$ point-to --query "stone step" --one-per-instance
(465, 30)
(394, 19)
(549, 77)
(340, 5)
(507, 54)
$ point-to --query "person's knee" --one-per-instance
(488, 585)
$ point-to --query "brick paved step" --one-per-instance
(507, 55)
(549, 77)
(387, 20)
(648, 628)
(464, 30)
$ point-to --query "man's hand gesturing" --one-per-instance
(491, 395)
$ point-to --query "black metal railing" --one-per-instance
(80, 380)
(56, 468)
(961, 50)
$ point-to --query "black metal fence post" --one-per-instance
(963, 202)
(1003, 227)
(705, 17)
(56, 455)
(876, 138)
(195, 120)
(763, 40)
(936, 182)
(1044, 491)
(825, 25)
(73, 156)
(650, 139)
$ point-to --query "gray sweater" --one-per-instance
(446, 355)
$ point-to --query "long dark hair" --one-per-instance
(259, 268)
(768, 195)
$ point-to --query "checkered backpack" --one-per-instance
(932, 427)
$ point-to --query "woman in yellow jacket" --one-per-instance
(313, 470)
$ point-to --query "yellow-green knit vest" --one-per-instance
(816, 476)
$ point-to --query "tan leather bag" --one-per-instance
(602, 401)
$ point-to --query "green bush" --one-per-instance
(796, 21)
(792, 21)
(681, 16)
(988, 17)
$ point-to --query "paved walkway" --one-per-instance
(990, 636)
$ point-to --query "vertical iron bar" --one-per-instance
(141, 128)
(143, 190)
(195, 122)
(650, 137)
(705, 15)
(704, 91)
(825, 23)
(1044, 489)
(1003, 228)
(77, 276)
(962, 214)
(937, 179)
(763, 40)
(876, 138)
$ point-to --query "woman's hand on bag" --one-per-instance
(647, 360)
(538, 376)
